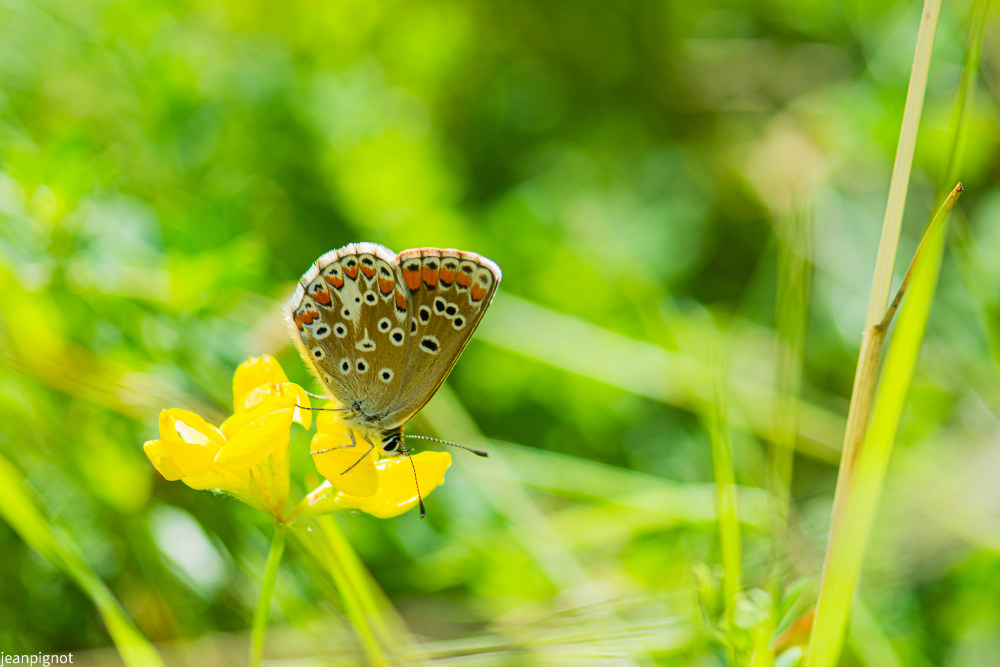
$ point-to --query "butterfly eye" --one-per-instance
(390, 445)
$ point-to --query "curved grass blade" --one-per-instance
(18, 509)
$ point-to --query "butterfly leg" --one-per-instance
(354, 443)
(371, 446)
(302, 407)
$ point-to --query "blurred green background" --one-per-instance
(168, 170)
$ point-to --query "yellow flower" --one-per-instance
(359, 479)
(247, 456)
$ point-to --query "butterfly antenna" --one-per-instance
(477, 452)
(420, 499)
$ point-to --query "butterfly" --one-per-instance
(382, 331)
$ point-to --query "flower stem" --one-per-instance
(263, 611)
(333, 553)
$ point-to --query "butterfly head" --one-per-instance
(392, 442)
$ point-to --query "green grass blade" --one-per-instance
(963, 98)
(18, 509)
(791, 320)
(974, 268)
(723, 471)
(856, 512)
(644, 369)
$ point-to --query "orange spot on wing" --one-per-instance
(477, 292)
(369, 271)
(430, 277)
(309, 316)
(336, 281)
(322, 296)
(352, 272)
(447, 277)
(400, 300)
(298, 323)
(411, 278)
(385, 285)
(464, 279)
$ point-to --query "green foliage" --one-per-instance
(644, 174)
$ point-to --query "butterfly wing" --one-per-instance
(449, 292)
(348, 318)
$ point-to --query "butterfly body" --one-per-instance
(382, 331)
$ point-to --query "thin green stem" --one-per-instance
(726, 506)
(263, 611)
(791, 319)
(899, 183)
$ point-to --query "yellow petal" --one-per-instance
(281, 394)
(253, 442)
(341, 466)
(269, 485)
(273, 399)
(188, 440)
(396, 491)
(161, 461)
(254, 372)
(219, 479)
